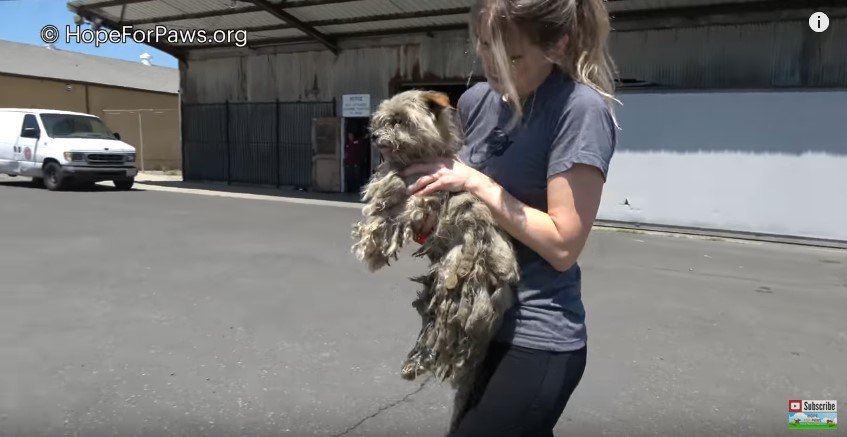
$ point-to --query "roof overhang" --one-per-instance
(330, 22)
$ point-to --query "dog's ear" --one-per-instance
(444, 116)
(436, 101)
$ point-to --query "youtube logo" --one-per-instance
(795, 406)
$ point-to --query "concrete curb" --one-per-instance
(714, 234)
(610, 225)
(214, 193)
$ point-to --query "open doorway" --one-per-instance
(357, 156)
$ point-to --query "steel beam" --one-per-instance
(277, 11)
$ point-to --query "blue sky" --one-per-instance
(23, 20)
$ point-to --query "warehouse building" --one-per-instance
(731, 116)
(138, 100)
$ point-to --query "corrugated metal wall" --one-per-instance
(749, 56)
(765, 55)
(320, 75)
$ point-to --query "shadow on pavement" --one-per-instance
(24, 182)
(289, 192)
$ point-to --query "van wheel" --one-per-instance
(124, 184)
(53, 177)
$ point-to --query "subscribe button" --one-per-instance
(812, 414)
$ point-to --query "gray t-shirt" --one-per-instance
(565, 123)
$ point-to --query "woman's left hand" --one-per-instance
(442, 174)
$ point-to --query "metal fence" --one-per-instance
(255, 143)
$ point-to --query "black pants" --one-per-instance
(352, 178)
(521, 392)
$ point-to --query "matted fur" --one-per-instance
(472, 268)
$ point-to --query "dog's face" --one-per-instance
(415, 125)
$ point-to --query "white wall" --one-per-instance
(769, 162)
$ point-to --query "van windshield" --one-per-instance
(75, 126)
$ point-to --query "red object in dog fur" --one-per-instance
(421, 238)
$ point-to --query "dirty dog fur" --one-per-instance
(472, 268)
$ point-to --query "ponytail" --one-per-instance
(588, 60)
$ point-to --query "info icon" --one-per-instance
(795, 406)
(819, 22)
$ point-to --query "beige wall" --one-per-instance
(23, 92)
(155, 134)
(118, 107)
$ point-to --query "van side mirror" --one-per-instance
(117, 136)
(30, 132)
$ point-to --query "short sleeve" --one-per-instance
(466, 101)
(584, 134)
(462, 113)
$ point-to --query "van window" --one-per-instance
(75, 126)
(29, 121)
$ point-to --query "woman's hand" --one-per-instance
(443, 174)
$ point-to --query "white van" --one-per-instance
(59, 147)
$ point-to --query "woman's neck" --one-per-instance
(540, 79)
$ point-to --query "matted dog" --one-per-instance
(472, 268)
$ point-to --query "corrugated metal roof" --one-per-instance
(410, 22)
(646, 5)
(370, 8)
(240, 21)
(427, 5)
(279, 33)
(365, 8)
(322, 14)
(346, 17)
(78, 67)
(142, 10)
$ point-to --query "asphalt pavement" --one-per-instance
(169, 313)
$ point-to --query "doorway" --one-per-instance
(357, 156)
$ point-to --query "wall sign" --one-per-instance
(356, 105)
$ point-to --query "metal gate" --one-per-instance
(255, 143)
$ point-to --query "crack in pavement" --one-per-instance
(385, 408)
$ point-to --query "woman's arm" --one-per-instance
(558, 236)
(582, 146)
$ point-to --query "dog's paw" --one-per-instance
(411, 370)
(376, 242)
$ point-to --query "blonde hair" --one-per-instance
(586, 56)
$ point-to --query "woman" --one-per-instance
(539, 137)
